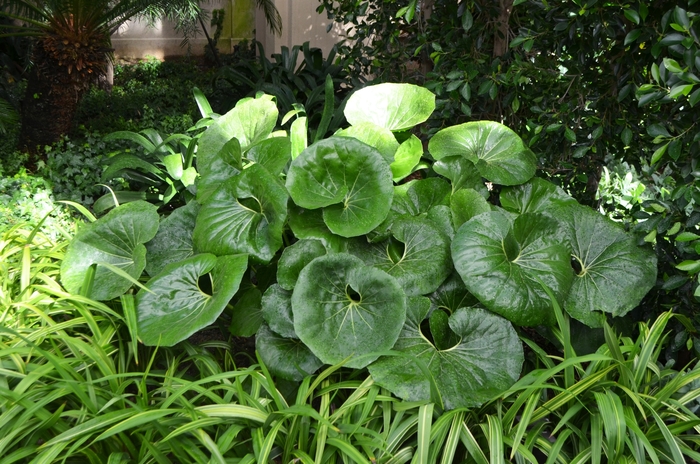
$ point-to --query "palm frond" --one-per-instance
(272, 16)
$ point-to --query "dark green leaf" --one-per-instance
(117, 239)
(504, 261)
(287, 358)
(343, 308)
(348, 179)
(173, 242)
(486, 361)
(245, 215)
(176, 306)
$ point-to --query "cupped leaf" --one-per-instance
(308, 224)
(418, 255)
(343, 308)
(395, 107)
(348, 179)
(287, 358)
(465, 204)
(504, 261)
(251, 121)
(375, 136)
(535, 196)
(486, 361)
(273, 153)
(612, 273)
(277, 311)
(245, 215)
(406, 158)
(294, 258)
(498, 153)
(116, 239)
(462, 173)
(176, 306)
(173, 242)
(247, 314)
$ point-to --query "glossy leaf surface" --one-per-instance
(395, 107)
(277, 311)
(348, 179)
(173, 242)
(245, 215)
(176, 306)
(344, 308)
(287, 358)
(486, 361)
(117, 239)
(294, 258)
(418, 255)
(497, 152)
(251, 121)
(613, 273)
(502, 261)
(537, 195)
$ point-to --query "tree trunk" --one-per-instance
(50, 103)
(500, 39)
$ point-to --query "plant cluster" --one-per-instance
(145, 95)
(588, 85)
(79, 386)
(327, 261)
(29, 201)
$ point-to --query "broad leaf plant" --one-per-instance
(364, 249)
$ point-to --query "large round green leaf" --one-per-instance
(498, 153)
(343, 308)
(115, 239)
(535, 196)
(251, 121)
(375, 136)
(486, 361)
(417, 255)
(245, 215)
(504, 262)
(173, 242)
(176, 306)
(348, 179)
(613, 273)
(287, 358)
(395, 107)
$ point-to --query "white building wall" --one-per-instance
(300, 23)
(135, 39)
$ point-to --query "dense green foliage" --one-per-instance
(374, 251)
(79, 387)
(590, 86)
(393, 258)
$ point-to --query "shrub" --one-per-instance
(29, 200)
